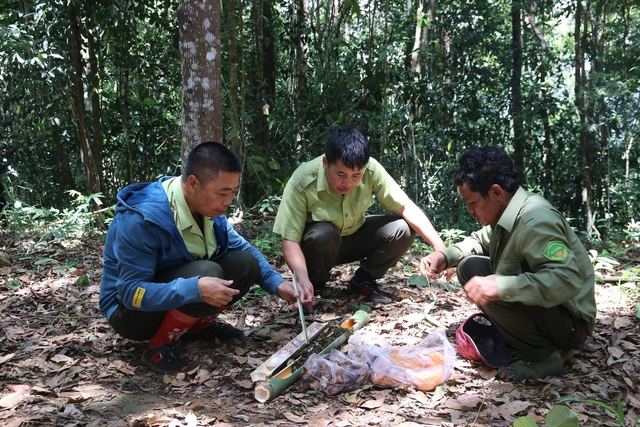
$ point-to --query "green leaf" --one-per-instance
(525, 422)
(561, 416)
(450, 287)
(257, 159)
(13, 283)
(638, 310)
(418, 280)
(83, 281)
(363, 307)
(438, 393)
(233, 133)
(273, 164)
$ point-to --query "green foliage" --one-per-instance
(51, 225)
(558, 416)
(418, 280)
(421, 101)
(617, 411)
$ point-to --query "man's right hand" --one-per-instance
(433, 264)
(216, 291)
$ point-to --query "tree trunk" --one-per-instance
(516, 91)
(91, 169)
(581, 25)
(235, 138)
(267, 84)
(547, 147)
(199, 24)
(93, 86)
(298, 91)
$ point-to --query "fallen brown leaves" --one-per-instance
(60, 363)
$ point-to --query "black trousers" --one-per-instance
(239, 266)
(378, 245)
(534, 332)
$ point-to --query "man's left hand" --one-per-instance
(287, 291)
(481, 290)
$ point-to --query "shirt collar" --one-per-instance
(508, 217)
(181, 213)
(323, 181)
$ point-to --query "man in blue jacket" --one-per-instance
(172, 262)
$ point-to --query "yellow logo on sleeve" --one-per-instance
(137, 298)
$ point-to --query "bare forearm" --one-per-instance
(421, 224)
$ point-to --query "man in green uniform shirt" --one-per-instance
(525, 269)
(322, 219)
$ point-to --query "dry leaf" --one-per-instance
(19, 393)
(372, 404)
(293, 418)
(615, 352)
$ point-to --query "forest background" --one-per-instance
(92, 98)
(98, 95)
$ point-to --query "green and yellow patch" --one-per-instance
(555, 251)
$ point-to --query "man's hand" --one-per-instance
(481, 290)
(287, 292)
(216, 291)
(432, 265)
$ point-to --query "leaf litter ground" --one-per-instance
(62, 365)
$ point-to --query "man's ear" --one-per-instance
(497, 191)
(192, 183)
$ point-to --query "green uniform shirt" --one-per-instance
(536, 256)
(199, 245)
(308, 197)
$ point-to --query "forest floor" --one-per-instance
(62, 365)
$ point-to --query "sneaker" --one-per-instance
(370, 289)
(163, 360)
(217, 330)
(521, 369)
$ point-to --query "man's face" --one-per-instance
(485, 211)
(213, 199)
(341, 178)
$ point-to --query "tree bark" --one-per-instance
(516, 91)
(91, 169)
(547, 145)
(581, 31)
(199, 25)
(235, 136)
(93, 86)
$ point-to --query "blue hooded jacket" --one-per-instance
(143, 239)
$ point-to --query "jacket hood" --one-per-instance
(147, 199)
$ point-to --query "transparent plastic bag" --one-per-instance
(333, 373)
(424, 366)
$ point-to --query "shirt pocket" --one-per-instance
(360, 206)
(509, 268)
(324, 213)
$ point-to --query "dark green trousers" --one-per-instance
(239, 266)
(533, 332)
(378, 245)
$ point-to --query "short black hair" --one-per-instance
(348, 145)
(482, 167)
(207, 159)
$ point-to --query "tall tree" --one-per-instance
(89, 130)
(200, 59)
(517, 115)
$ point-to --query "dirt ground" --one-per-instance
(61, 364)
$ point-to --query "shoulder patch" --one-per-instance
(555, 251)
(137, 297)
